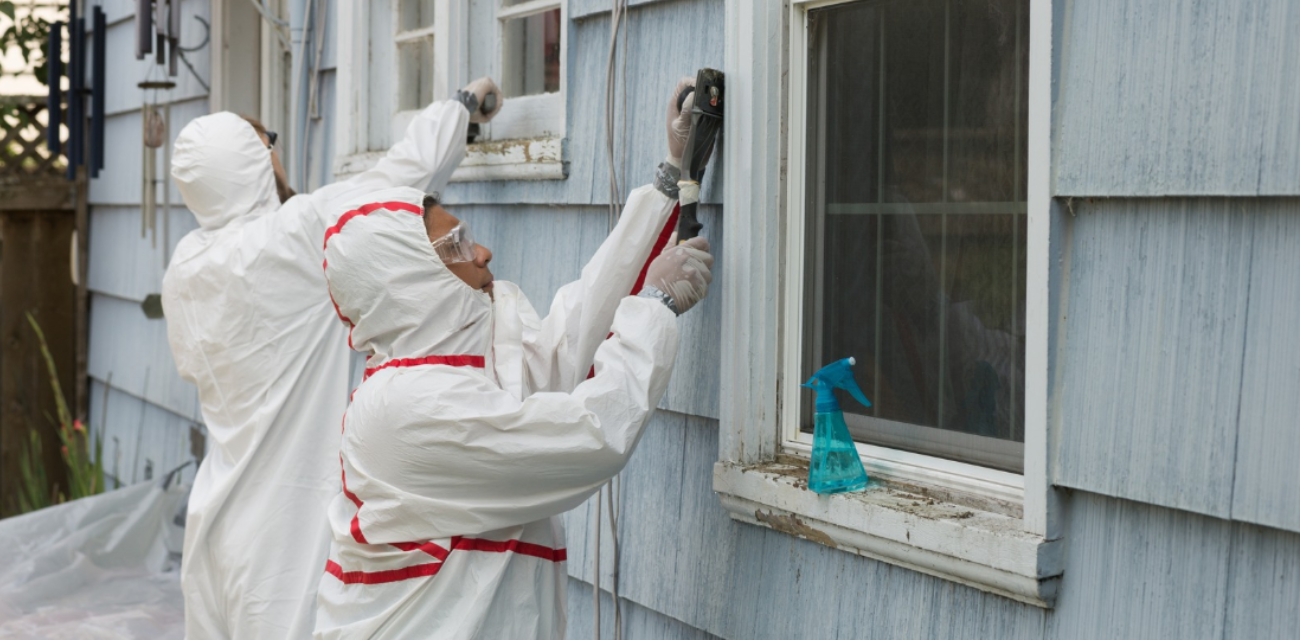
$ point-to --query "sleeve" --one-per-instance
(558, 350)
(481, 460)
(425, 158)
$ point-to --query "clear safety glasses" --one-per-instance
(457, 246)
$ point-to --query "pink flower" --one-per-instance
(64, 448)
(77, 426)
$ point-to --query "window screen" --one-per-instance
(916, 221)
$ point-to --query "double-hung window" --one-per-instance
(913, 222)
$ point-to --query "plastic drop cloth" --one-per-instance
(103, 567)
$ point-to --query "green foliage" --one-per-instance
(30, 35)
(84, 460)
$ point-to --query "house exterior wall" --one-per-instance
(1174, 371)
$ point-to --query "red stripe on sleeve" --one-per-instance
(381, 577)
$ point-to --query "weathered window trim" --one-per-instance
(531, 159)
(524, 142)
(978, 527)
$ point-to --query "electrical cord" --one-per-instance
(618, 20)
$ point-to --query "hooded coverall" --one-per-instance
(251, 325)
(477, 425)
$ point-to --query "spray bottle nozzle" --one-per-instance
(836, 375)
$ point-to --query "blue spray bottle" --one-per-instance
(835, 467)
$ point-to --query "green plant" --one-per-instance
(29, 34)
(84, 460)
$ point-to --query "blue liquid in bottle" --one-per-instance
(835, 466)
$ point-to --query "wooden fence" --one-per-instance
(40, 212)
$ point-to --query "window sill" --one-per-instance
(983, 549)
(528, 159)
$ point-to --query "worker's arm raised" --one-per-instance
(432, 148)
(559, 349)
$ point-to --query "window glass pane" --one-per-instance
(414, 73)
(532, 54)
(916, 205)
(414, 14)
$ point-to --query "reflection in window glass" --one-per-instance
(414, 73)
(916, 220)
(531, 54)
(415, 14)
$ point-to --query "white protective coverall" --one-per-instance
(250, 323)
(477, 425)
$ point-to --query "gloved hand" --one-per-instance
(680, 276)
(679, 121)
(481, 89)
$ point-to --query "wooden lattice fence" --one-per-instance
(23, 149)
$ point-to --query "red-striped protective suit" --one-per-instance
(477, 425)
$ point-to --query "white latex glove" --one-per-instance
(679, 121)
(482, 88)
(683, 272)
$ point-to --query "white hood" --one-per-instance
(223, 170)
(394, 292)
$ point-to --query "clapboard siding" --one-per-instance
(1177, 97)
(1152, 349)
(1137, 571)
(1265, 584)
(141, 441)
(119, 182)
(122, 263)
(543, 248)
(639, 623)
(668, 40)
(585, 8)
(1268, 437)
(134, 350)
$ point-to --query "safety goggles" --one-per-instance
(457, 246)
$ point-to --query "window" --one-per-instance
(530, 70)
(915, 221)
(396, 56)
(902, 215)
(531, 51)
(414, 24)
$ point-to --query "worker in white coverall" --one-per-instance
(479, 422)
(250, 323)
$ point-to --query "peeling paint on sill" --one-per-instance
(792, 525)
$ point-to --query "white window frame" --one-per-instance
(990, 529)
(441, 11)
(535, 116)
(495, 158)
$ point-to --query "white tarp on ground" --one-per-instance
(104, 567)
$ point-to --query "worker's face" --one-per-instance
(475, 273)
(282, 188)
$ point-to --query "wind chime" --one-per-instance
(158, 32)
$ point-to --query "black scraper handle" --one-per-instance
(706, 123)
